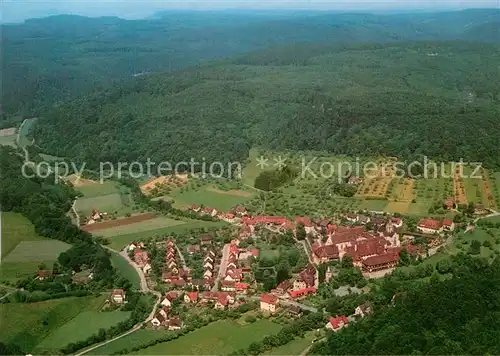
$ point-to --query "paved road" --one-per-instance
(77, 218)
(289, 302)
(222, 268)
(181, 256)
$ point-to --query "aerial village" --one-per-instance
(224, 278)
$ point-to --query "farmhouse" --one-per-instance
(42, 274)
(206, 239)
(191, 297)
(118, 296)
(268, 303)
(429, 226)
(448, 225)
(337, 323)
(141, 257)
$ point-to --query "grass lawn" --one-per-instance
(9, 140)
(493, 219)
(44, 250)
(119, 242)
(130, 341)
(104, 203)
(16, 228)
(97, 189)
(80, 328)
(295, 347)
(24, 130)
(209, 197)
(29, 323)
(373, 205)
(125, 269)
(14, 271)
(419, 208)
(147, 225)
(219, 338)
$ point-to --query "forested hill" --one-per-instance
(460, 316)
(439, 99)
(58, 58)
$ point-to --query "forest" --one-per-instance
(54, 59)
(452, 317)
(398, 99)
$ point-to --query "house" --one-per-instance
(240, 211)
(222, 302)
(268, 303)
(206, 239)
(241, 287)
(337, 323)
(210, 211)
(448, 225)
(195, 208)
(282, 288)
(352, 218)
(118, 296)
(174, 324)
(42, 274)
(208, 264)
(363, 219)
(294, 310)
(146, 268)
(363, 310)
(479, 209)
(380, 262)
(449, 204)
(228, 286)
(300, 293)
(208, 273)
(355, 180)
(166, 302)
(172, 296)
(326, 253)
(429, 226)
(308, 226)
(233, 249)
(255, 252)
(192, 249)
(191, 297)
(158, 320)
(397, 222)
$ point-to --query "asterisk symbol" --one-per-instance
(262, 162)
(280, 162)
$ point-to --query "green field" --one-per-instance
(119, 242)
(23, 250)
(130, 341)
(9, 140)
(125, 269)
(140, 227)
(45, 250)
(80, 328)
(210, 197)
(219, 338)
(105, 204)
(97, 189)
(30, 323)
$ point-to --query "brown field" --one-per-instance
(234, 192)
(119, 222)
(398, 207)
(78, 181)
(489, 200)
(459, 188)
(8, 132)
(164, 180)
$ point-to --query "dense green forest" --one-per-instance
(51, 60)
(439, 99)
(454, 317)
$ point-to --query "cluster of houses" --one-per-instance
(234, 273)
(209, 264)
(172, 273)
(95, 216)
(140, 256)
(302, 286)
(163, 317)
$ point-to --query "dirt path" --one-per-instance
(77, 217)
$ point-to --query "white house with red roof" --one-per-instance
(337, 323)
(118, 296)
(269, 303)
(191, 297)
(430, 226)
(448, 225)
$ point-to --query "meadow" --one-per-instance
(125, 270)
(209, 196)
(295, 347)
(80, 328)
(130, 341)
(23, 251)
(218, 338)
(120, 241)
(30, 323)
(139, 227)
(104, 203)
(8, 140)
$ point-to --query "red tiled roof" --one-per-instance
(240, 285)
(447, 222)
(303, 220)
(171, 295)
(326, 251)
(255, 252)
(222, 299)
(118, 292)
(430, 224)
(268, 298)
(234, 249)
(302, 292)
(48, 273)
(240, 209)
(335, 322)
(192, 295)
(277, 220)
(331, 227)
